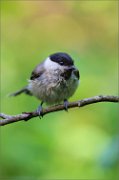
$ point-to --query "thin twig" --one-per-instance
(7, 119)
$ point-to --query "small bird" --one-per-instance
(53, 81)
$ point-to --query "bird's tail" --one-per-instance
(23, 90)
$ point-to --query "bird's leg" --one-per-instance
(66, 103)
(40, 110)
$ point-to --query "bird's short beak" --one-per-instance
(76, 73)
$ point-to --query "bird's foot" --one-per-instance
(66, 103)
(40, 110)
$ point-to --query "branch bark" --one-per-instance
(7, 119)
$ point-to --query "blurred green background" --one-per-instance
(80, 144)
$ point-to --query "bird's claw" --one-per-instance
(40, 110)
(66, 103)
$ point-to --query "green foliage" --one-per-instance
(61, 145)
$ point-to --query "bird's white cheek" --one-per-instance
(50, 65)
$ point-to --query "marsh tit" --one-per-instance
(53, 81)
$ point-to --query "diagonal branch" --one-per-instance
(7, 119)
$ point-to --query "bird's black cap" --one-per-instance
(62, 58)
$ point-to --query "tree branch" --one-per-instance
(7, 119)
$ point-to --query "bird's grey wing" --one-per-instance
(34, 75)
(37, 72)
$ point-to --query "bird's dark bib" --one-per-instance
(67, 74)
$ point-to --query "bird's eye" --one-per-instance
(61, 63)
